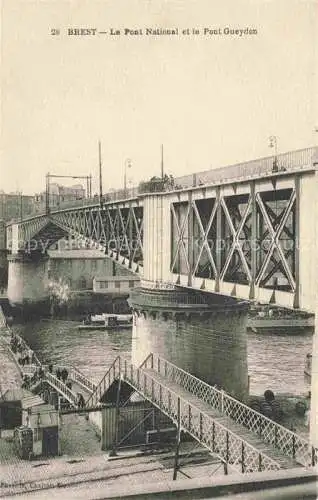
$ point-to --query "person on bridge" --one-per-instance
(64, 375)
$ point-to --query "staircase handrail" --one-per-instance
(79, 377)
(62, 388)
(137, 378)
(148, 360)
(272, 432)
(101, 388)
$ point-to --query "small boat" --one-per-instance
(276, 320)
(107, 322)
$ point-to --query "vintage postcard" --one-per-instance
(158, 243)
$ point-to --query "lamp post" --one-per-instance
(21, 206)
(273, 144)
(47, 194)
(127, 165)
(100, 174)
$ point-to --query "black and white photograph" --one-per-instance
(158, 246)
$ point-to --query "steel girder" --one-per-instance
(27, 230)
(245, 239)
(119, 230)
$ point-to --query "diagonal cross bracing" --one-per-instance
(180, 243)
(254, 243)
(119, 230)
(205, 234)
(274, 235)
(235, 235)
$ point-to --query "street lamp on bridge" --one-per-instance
(273, 144)
(127, 165)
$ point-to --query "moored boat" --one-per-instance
(278, 320)
(107, 322)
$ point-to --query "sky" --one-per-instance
(211, 100)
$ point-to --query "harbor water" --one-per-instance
(275, 362)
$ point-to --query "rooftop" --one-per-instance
(76, 254)
(117, 278)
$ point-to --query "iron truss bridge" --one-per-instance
(238, 435)
(238, 231)
(116, 229)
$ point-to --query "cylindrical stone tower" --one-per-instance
(27, 279)
(204, 334)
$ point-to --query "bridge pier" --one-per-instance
(202, 334)
(27, 279)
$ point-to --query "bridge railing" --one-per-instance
(30, 369)
(157, 285)
(161, 299)
(112, 374)
(289, 443)
(292, 160)
(217, 438)
(65, 391)
(81, 379)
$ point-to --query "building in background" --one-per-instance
(15, 206)
(77, 268)
(115, 285)
(58, 196)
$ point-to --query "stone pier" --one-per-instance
(204, 334)
(27, 279)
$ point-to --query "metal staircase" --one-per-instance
(237, 434)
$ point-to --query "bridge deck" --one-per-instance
(238, 429)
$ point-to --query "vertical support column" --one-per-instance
(106, 220)
(130, 235)
(117, 229)
(47, 194)
(190, 239)
(178, 261)
(296, 226)
(314, 366)
(157, 421)
(114, 448)
(254, 242)
(176, 458)
(218, 243)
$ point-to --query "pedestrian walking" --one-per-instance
(64, 375)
